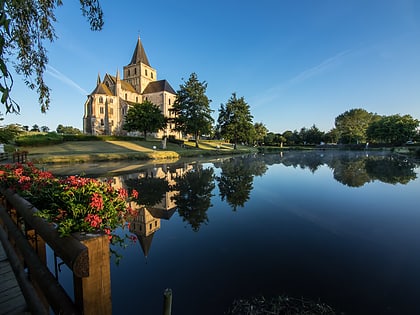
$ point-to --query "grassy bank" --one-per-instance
(114, 150)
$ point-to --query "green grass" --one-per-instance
(96, 151)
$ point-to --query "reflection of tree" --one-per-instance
(151, 190)
(235, 180)
(390, 170)
(351, 172)
(194, 198)
(355, 168)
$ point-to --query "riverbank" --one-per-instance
(106, 151)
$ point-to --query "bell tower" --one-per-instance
(138, 72)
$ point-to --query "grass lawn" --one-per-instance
(90, 151)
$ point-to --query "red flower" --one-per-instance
(97, 201)
(93, 219)
(135, 194)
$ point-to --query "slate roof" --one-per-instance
(139, 55)
(159, 86)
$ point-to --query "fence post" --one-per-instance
(93, 293)
(167, 302)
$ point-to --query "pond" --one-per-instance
(341, 228)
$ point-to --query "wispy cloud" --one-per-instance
(65, 79)
(319, 68)
(273, 93)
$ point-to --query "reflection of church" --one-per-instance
(147, 222)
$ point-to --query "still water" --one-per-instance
(342, 228)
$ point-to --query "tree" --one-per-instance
(145, 117)
(69, 130)
(312, 135)
(25, 26)
(260, 132)
(35, 128)
(192, 109)
(394, 129)
(9, 133)
(235, 120)
(45, 129)
(353, 124)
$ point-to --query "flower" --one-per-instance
(74, 203)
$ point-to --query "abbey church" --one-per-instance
(107, 105)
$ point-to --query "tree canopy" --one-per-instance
(393, 129)
(25, 26)
(352, 124)
(192, 108)
(235, 120)
(145, 117)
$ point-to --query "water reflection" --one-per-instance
(236, 178)
(193, 197)
(308, 247)
(188, 187)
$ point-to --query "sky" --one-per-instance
(296, 62)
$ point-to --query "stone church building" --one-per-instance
(107, 105)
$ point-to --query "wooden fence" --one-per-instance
(87, 256)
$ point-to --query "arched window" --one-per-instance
(137, 99)
(111, 100)
(135, 70)
(101, 99)
(128, 72)
(125, 96)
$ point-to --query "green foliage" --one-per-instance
(69, 130)
(25, 26)
(73, 204)
(39, 139)
(235, 121)
(312, 135)
(352, 125)
(192, 109)
(393, 129)
(145, 117)
(9, 133)
(260, 132)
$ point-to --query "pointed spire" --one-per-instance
(139, 54)
(98, 81)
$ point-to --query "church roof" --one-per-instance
(124, 84)
(139, 54)
(158, 86)
(101, 88)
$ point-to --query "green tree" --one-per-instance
(332, 136)
(312, 135)
(69, 130)
(235, 120)
(35, 128)
(9, 133)
(352, 125)
(45, 128)
(394, 129)
(145, 117)
(192, 109)
(25, 26)
(260, 132)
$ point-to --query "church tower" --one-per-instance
(138, 72)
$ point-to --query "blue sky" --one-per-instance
(296, 62)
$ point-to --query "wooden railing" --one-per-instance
(86, 255)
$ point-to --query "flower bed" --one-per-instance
(72, 204)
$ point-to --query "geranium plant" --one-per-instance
(72, 204)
